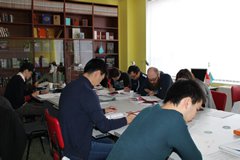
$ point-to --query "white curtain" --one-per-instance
(195, 34)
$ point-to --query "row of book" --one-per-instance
(47, 19)
(11, 62)
(41, 32)
(103, 35)
(4, 32)
(78, 8)
(76, 22)
(105, 11)
(4, 81)
(48, 6)
(18, 4)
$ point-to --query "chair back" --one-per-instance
(235, 92)
(55, 135)
(220, 99)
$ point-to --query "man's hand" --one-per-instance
(34, 94)
(110, 109)
(130, 117)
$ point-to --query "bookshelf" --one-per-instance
(64, 31)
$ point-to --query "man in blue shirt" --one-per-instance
(80, 112)
(138, 79)
(158, 131)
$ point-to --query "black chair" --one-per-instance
(35, 129)
(12, 134)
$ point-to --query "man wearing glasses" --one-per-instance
(157, 83)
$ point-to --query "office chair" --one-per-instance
(220, 99)
(55, 136)
(235, 92)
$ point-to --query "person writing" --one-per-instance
(80, 112)
(18, 95)
(118, 80)
(159, 130)
(157, 83)
(138, 79)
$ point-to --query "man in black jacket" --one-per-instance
(138, 79)
(18, 95)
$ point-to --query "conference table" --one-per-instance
(209, 129)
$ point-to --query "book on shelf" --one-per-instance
(35, 32)
(56, 19)
(84, 22)
(50, 32)
(110, 61)
(3, 45)
(107, 35)
(75, 21)
(59, 33)
(111, 36)
(82, 35)
(75, 33)
(103, 35)
(68, 21)
(41, 32)
(46, 18)
(36, 19)
(110, 47)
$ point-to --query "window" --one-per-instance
(195, 34)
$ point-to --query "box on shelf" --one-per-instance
(50, 32)
(111, 36)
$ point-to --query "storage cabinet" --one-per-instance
(64, 31)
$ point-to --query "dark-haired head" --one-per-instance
(184, 74)
(182, 89)
(26, 66)
(95, 64)
(135, 69)
(114, 73)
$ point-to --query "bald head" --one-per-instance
(153, 74)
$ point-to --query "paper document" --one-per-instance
(106, 98)
(151, 98)
(219, 114)
(114, 115)
(98, 134)
(221, 156)
(232, 148)
(49, 95)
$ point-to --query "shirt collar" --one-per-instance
(21, 75)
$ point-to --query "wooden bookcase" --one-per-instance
(56, 30)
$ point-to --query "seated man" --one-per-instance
(186, 74)
(138, 79)
(80, 112)
(18, 95)
(157, 83)
(118, 80)
(158, 131)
